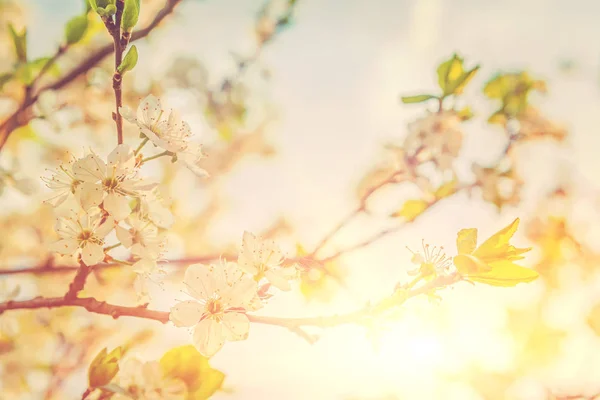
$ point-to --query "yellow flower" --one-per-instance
(492, 262)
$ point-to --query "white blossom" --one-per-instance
(146, 381)
(63, 183)
(261, 257)
(110, 183)
(168, 132)
(85, 234)
(222, 294)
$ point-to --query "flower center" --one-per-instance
(214, 306)
(88, 236)
(110, 184)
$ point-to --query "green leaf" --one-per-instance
(19, 42)
(26, 72)
(96, 4)
(131, 13)
(448, 72)
(417, 99)
(458, 86)
(129, 61)
(75, 29)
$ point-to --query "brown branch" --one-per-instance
(352, 317)
(117, 77)
(116, 311)
(389, 231)
(50, 269)
(90, 304)
(23, 114)
(78, 282)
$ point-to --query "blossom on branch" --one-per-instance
(222, 295)
(111, 183)
(169, 132)
(83, 234)
(262, 258)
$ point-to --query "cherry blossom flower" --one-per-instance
(146, 381)
(153, 209)
(222, 295)
(170, 132)
(436, 137)
(110, 183)
(262, 258)
(84, 233)
(144, 241)
(64, 184)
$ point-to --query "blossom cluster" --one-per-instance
(223, 293)
(110, 195)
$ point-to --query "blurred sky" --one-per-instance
(337, 74)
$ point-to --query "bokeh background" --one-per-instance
(321, 99)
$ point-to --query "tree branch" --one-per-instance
(23, 114)
(293, 324)
(78, 282)
(50, 269)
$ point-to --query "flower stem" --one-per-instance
(121, 262)
(114, 246)
(142, 144)
(164, 153)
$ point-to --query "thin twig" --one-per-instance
(116, 311)
(23, 115)
(51, 269)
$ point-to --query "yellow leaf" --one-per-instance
(468, 265)
(505, 274)
(498, 248)
(499, 117)
(465, 113)
(411, 209)
(448, 72)
(445, 189)
(104, 367)
(463, 80)
(491, 263)
(466, 241)
(187, 364)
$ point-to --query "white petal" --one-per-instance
(117, 206)
(65, 246)
(241, 293)
(122, 154)
(92, 254)
(149, 110)
(144, 266)
(89, 169)
(208, 337)
(128, 114)
(89, 194)
(278, 278)
(124, 236)
(153, 137)
(105, 228)
(140, 285)
(186, 313)
(159, 214)
(200, 281)
(235, 326)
